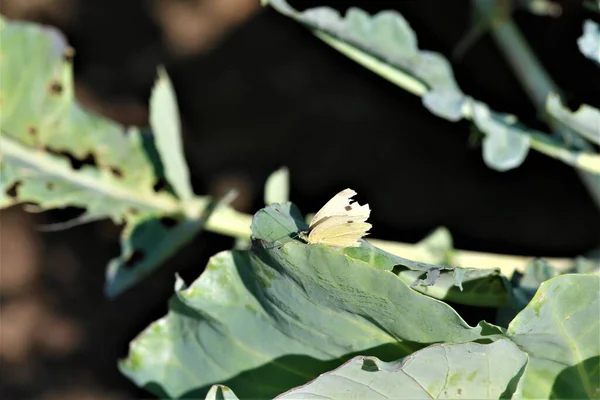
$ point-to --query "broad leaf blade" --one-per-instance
(469, 371)
(284, 313)
(560, 332)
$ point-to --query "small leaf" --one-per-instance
(447, 104)
(589, 41)
(277, 187)
(166, 126)
(385, 44)
(585, 121)
(145, 245)
(505, 146)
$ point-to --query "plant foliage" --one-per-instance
(48, 140)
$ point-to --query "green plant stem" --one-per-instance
(533, 77)
(226, 221)
(587, 161)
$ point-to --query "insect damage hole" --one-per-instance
(13, 190)
(168, 222)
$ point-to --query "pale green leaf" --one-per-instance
(385, 44)
(166, 126)
(506, 144)
(42, 126)
(467, 371)
(277, 187)
(589, 41)
(284, 312)
(585, 121)
(560, 332)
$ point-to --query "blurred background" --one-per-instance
(256, 92)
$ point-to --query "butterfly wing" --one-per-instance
(335, 206)
(339, 222)
(341, 234)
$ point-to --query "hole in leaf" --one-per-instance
(168, 222)
(13, 189)
(75, 163)
(161, 184)
(56, 87)
(32, 130)
(136, 257)
(116, 172)
(369, 365)
(49, 185)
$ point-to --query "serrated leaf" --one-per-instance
(469, 371)
(166, 126)
(277, 187)
(285, 312)
(589, 41)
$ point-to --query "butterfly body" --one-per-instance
(339, 223)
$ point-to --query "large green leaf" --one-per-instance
(551, 350)
(266, 320)
(44, 128)
(560, 332)
(467, 371)
(387, 45)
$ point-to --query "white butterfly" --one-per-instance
(339, 223)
